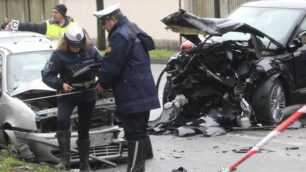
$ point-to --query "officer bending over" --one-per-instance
(73, 53)
(126, 69)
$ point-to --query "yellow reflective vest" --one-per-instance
(54, 31)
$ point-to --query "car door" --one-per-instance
(300, 62)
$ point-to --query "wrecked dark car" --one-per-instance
(28, 107)
(242, 70)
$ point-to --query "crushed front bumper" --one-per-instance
(106, 143)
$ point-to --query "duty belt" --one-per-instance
(85, 84)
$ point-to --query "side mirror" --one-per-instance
(302, 37)
(298, 42)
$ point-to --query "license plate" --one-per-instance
(101, 139)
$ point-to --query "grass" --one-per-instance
(161, 54)
(9, 163)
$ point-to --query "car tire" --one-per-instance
(269, 100)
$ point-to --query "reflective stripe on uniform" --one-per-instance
(135, 155)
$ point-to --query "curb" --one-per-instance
(159, 61)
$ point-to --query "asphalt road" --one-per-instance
(286, 153)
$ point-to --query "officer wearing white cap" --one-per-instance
(126, 69)
(105, 14)
(74, 52)
(53, 28)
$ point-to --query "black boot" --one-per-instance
(83, 147)
(148, 148)
(136, 156)
(63, 138)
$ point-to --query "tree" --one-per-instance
(101, 33)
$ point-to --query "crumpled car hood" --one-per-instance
(191, 25)
(34, 85)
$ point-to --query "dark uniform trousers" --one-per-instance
(135, 125)
(85, 110)
(135, 130)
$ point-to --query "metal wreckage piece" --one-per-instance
(171, 117)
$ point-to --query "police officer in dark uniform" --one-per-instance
(73, 53)
(126, 69)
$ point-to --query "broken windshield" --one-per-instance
(276, 23)
(23, 68)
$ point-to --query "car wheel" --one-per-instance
(269, 100)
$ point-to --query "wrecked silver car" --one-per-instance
(28, 110)
(242, 70)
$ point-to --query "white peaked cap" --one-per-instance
(75, 36)
(107, 12)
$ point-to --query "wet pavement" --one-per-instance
(197, 153)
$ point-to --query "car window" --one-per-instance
(302, 27)
(276, 23)
(24, 68)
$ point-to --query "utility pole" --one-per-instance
(217, 8)
(101, 33)
(180, 7)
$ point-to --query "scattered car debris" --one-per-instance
(180, 169)
(292, 148)
(296, 125)
(204, 125)
(215, 147)
(162, 156)
(242, 150)
(177, 155)
(185, 131)
(254, 128)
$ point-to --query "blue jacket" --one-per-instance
(126, 69)
(66, 64)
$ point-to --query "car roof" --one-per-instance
(17, 42)
(9, 34)
(27, 47)
(294, 4)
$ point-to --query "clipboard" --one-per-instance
(87, 70)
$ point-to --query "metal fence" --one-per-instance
(26, 10)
